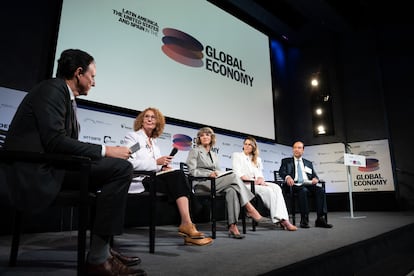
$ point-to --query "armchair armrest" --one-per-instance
(143, 173)
(252, 186)
(205, 178)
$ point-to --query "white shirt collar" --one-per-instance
(71, 95)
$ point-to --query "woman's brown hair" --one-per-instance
(159, 119)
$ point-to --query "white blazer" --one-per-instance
(144, 159)
(242, 165)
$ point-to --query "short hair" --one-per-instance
(208, 130)
(159, 125)
(70, 60)
(298, 141)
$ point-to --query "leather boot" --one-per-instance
(304, 221)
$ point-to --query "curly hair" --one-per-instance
(209, 131)
(160, 121)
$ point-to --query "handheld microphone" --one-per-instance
(173, 151)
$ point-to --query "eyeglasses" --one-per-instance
(150, 117)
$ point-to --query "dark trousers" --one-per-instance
(303, 195)
(110, 179)
(174, 184)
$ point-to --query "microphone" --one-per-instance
(173, 151)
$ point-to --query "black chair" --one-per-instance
(243, 213)
(212, 196)
(292, 195)
(153, 197)
(81, 199)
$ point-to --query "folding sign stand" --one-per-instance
(352, 160)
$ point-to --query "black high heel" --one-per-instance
(260, 220)
(235, 236)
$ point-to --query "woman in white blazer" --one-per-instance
(149, 125)
(248, 166)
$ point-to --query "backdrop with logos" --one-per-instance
(106, 127)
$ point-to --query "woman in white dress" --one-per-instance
(248, 166)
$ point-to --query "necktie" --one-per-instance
(75, 123)
(300, 174)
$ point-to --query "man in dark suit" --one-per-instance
(299, 173)
(46, 121)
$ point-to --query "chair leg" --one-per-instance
(153, 206)
(243, 216)
(82, 228)
(254, 223)
(293, 207)
(17, 229)
(213, 217)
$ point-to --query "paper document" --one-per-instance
(221, 173)
(162, 172)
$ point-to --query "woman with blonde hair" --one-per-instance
(203, 161)
(247, 165)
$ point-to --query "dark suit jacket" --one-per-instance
(43, 123)
(287, 167)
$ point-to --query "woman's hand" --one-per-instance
(245, 177)
(166, 168)
(164, 160)
(260, 181)
(213, 174)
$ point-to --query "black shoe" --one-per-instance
(304, 222)
(321, 222)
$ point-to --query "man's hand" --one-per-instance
(290, 181)
(118, 152)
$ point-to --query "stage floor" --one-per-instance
(267, 249)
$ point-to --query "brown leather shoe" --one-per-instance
(126, 260)
(112, 267)
(189, 230)
(199, 242)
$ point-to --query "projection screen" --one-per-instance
(192, 60)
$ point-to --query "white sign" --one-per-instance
(354, 160)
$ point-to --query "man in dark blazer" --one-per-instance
(304, 179)
(45, 121)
